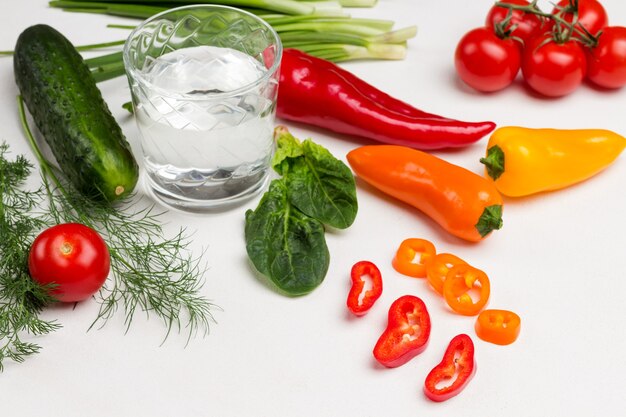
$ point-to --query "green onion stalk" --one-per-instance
(320, 28)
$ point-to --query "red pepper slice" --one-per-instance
(320, 93)
(460, 281)
(412, 256)
(500, 327)
(359, 270)
(454, 372)
(407, 332)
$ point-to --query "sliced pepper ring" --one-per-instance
(454, 372)
(461, 281)
(360, 305)
(437, 269)
(500, 327)
(412, 256)
(407, 332)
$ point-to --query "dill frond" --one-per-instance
(21, 298)
(151, 273)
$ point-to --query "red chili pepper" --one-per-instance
(359, 270)
(455, 370)
(407, 332)
(318, 92)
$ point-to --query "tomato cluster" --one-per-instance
(555, 51)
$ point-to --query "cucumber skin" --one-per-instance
(72, 116)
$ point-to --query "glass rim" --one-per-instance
(131, 70)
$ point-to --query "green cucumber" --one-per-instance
(72, 116)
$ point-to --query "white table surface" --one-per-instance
(559, 262)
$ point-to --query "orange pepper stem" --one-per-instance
(494, 162)
(490, 220)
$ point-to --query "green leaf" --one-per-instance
(129, 107)
(318, 184)
(286, 245)
(287, 149)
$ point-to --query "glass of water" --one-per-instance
(204, 80)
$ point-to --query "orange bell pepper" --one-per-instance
(524, 161)
(412, 257)
(438, 267)
(461, 281)
(463, 203)
(500, 327)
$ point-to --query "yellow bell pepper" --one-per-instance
(525, 161)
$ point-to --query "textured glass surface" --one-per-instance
(204, 81)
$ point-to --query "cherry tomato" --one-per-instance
(485, 62)
(606, 63)
(72, 256)
(525, 25)
(591, 14)
(553, 69)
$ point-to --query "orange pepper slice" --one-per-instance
(437, 269)
(461, 281)
(412, 256)
(500, 327)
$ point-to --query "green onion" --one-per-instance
(291, 7)
(126, 10)
(320, 28)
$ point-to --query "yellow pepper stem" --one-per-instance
(494, 162)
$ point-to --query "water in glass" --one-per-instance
(199, 143)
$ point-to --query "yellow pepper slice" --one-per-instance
(525, 161)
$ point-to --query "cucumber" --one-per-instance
(68, 108)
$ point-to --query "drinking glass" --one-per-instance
(204, 80)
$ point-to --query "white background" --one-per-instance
(558, 262)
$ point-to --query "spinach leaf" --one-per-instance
(318, 184)
(284, 244)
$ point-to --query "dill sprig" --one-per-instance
(21, 298)
(150, 273)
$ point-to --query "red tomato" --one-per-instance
(527, 25)
(72, 256)
(591, 14)
(553, 69)
(606, 63)
(486, 62)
